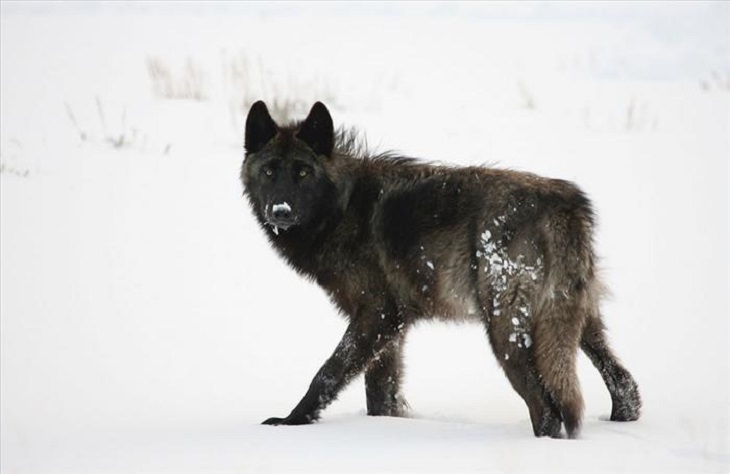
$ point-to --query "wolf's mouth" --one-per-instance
(276, 227)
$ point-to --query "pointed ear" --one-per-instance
(260, 127)
(317, 130)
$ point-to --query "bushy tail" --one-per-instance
(556, 345)
(570, 294)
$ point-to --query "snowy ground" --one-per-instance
(143, 326)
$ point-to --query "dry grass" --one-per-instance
(187, 82)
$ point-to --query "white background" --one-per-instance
(146, 326)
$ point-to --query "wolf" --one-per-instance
(393, 240)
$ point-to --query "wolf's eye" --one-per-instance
(303, 173)
(269, 172)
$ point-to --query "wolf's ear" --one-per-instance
(260, 127)
(317, 130)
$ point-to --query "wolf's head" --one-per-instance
(284, 173)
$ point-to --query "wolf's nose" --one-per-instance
(281, 213)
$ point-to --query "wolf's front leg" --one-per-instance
(383, 380)
(363, 341)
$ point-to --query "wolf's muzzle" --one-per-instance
(280, 215)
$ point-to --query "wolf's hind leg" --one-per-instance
(383, 380)
(518, 364)
(625, 398)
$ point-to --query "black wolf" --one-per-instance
(393, 240)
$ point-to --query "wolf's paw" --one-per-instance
(548, 425)
(625, 412)
(397, 406)
(289, 420)
(273, 421)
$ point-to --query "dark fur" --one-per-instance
(393, 240)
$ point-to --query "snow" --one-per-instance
(284, 206)
(141, 323)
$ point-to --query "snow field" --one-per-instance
(140, 325)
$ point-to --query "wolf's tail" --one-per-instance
(556, 345)
(570, 296)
